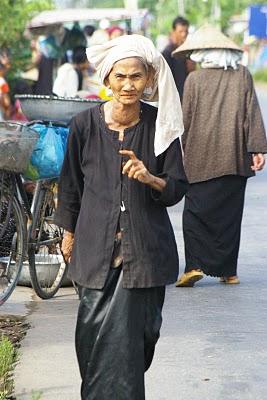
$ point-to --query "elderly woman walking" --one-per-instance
(123, 167)
(224, 142)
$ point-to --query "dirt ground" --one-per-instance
(14, 328)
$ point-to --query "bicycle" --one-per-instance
(28, 235)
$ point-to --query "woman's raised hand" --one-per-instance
(135, 168)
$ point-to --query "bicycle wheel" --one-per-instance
(12, 241)
(46, 263)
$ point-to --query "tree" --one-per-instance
(13, 19)
(197, 11)
(150, 4)
(202, 11)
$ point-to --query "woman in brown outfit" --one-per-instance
(224, 142)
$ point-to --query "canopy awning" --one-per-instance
(55, 17)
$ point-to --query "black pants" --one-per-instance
(211, 225)
(117, 330)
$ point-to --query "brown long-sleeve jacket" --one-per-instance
(223, 124)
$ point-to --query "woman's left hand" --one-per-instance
(258, 162)
(135, 168)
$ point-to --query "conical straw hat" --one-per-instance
(206, 37)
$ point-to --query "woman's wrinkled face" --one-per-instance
(127, 80)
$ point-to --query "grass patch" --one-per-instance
(8, 356)
(12, 331)
(261, 75)
(35, 396)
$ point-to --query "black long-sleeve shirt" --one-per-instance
(92, 189)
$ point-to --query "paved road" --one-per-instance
(213, 340)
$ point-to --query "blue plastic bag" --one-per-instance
(48, 155)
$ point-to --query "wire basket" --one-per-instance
(17, 142)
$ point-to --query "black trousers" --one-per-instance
(117, 330)
(212, 219)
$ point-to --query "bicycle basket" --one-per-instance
(17, 142)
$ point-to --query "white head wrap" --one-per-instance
(217, 58)
(169, 123)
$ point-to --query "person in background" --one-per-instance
(181, 66)
(45, 66)
(100, 36)
(224, 141)
(114, 32)
(88, 32)
(69, 78)
(4, 89)
(22, 86)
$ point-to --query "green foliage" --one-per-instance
(150, 4)
(13, 19)
(197, 11)
(107, 3)
(35, 396)
(230, 8)
(14, 16)
(261, 75)
(8, 356)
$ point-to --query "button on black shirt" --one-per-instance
(92, 189)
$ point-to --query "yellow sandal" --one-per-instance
(230, 280)
(188, 279)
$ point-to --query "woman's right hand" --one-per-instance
(67, 245)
